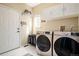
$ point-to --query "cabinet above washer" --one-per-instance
(60, 11)
(53, 12)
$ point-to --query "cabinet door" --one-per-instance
(56, 11)
(9, 22)
(71, 9)
(45, 14)
(53, 12)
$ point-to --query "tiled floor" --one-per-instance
(23, 51)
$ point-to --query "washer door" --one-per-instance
(66, 46)
(43, 43)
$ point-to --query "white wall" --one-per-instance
(54, 25)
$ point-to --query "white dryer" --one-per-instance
(44, 43)
(66, 44)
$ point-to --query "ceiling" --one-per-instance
(33, 4)
(18, 6)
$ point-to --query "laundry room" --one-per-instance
(39, 29)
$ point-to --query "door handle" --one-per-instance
(18, 31)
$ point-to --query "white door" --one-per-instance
(9, 24)
(26, 28)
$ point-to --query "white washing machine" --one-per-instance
(44, 43)
(66, 44)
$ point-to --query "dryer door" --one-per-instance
(43, 43)
(66, 46)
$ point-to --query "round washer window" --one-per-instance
(65, 46)
(43, 43)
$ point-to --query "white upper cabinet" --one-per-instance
(52, 13)
(61, 10)
(71, 9)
